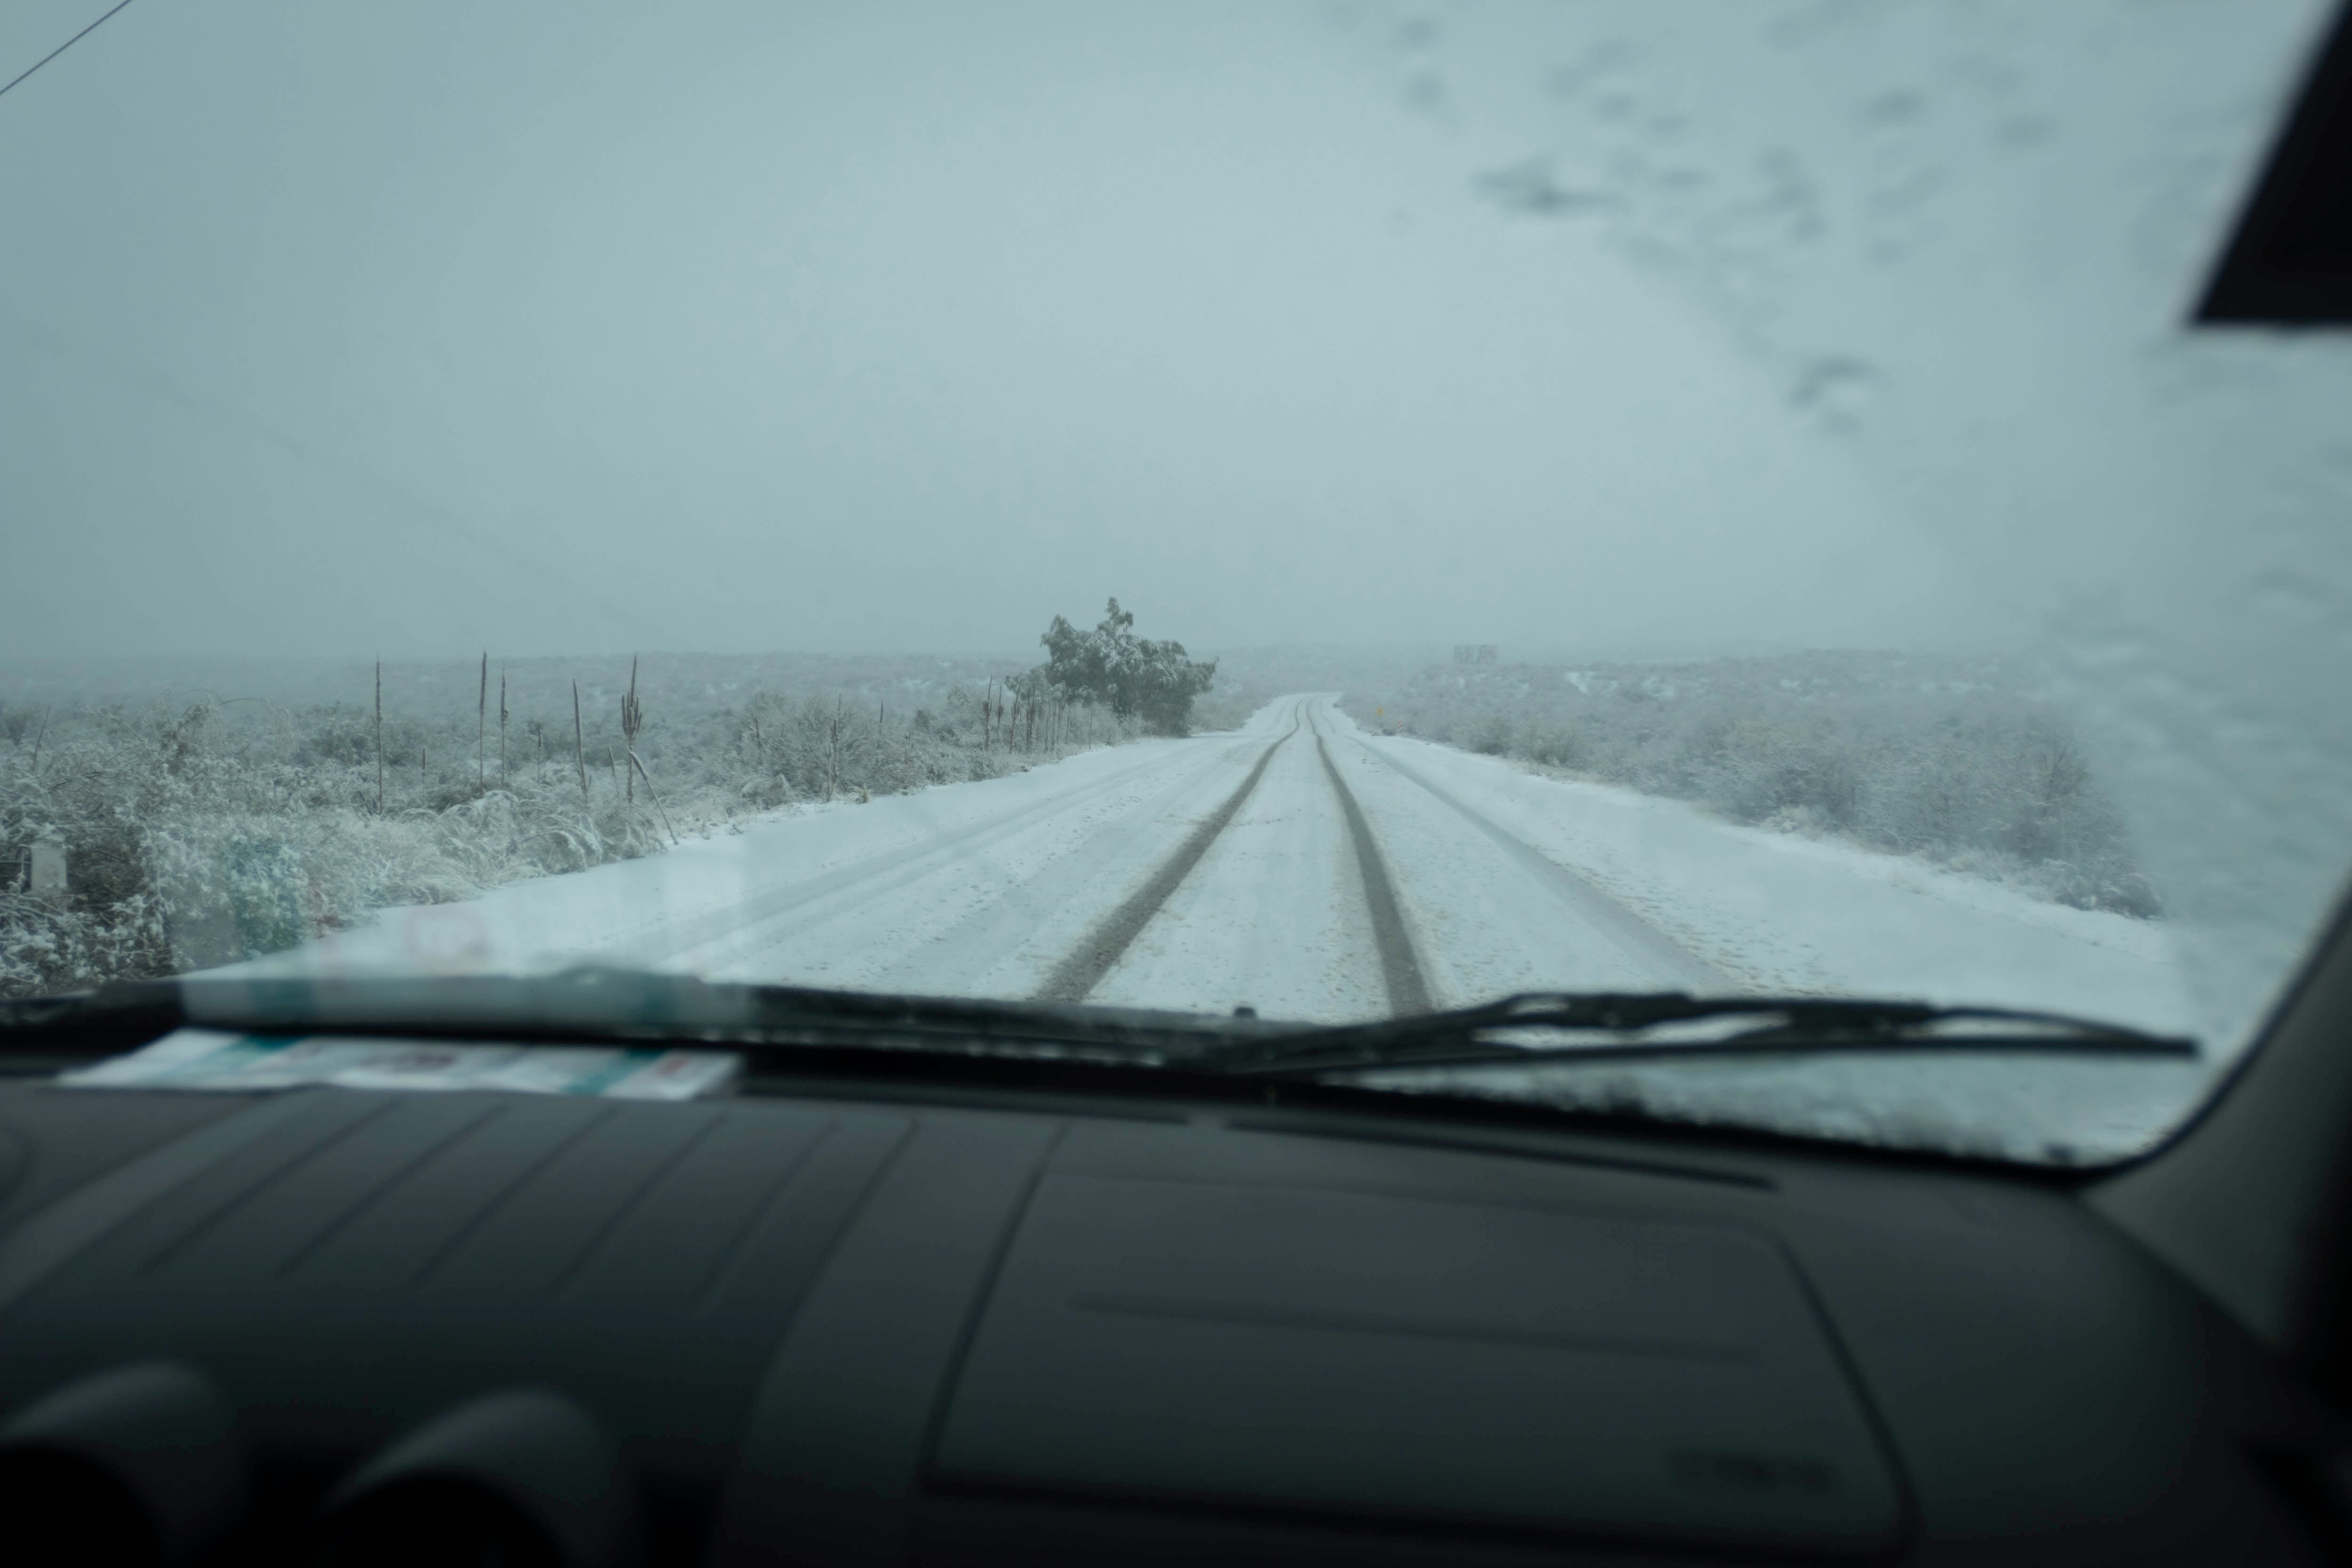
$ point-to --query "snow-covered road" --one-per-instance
(1308, 869)
(1229, 870)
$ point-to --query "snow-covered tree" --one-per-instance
(1133, 677)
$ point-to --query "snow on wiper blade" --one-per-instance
(1781, 1026)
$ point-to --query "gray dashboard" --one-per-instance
(807, 1326)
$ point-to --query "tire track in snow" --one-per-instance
(994, 917)
(1630, 930)
(1401, 970)
(1108, 942)
(674, 940)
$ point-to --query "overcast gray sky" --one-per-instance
(560, 326)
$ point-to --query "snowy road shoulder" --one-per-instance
(718, 904)
(1775, 912)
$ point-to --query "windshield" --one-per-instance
(1338, 511)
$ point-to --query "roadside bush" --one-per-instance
(1952, 760)
(208, 834)
(1154, 683)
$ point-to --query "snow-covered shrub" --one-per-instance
(1490, 735)
(197, 834)
(1154, 683)
(1954, 760)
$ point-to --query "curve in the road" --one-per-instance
(1112, 935)
(1628, 929)
(1401, 970)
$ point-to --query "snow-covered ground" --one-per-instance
(1763, 910)
(975, 888)
(1506, 881)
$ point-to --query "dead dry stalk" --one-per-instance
(633, 718)
(654, 797)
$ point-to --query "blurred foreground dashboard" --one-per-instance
(821, 1324)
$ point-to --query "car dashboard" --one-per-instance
(821, 1322)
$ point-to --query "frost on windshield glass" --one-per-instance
(1962, 244)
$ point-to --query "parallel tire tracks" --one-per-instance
(873, 874)
(1111, 936)
(1630, 930)
(1401, 970)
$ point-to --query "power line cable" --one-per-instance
(61, 48)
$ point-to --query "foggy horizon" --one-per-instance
(1431, 649)
(587, 330)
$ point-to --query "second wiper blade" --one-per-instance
(1786, 1026)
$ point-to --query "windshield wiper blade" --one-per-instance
(1786, 1026)
(623, 1006)
(613, 1007)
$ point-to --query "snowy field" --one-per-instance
(1505, 881)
